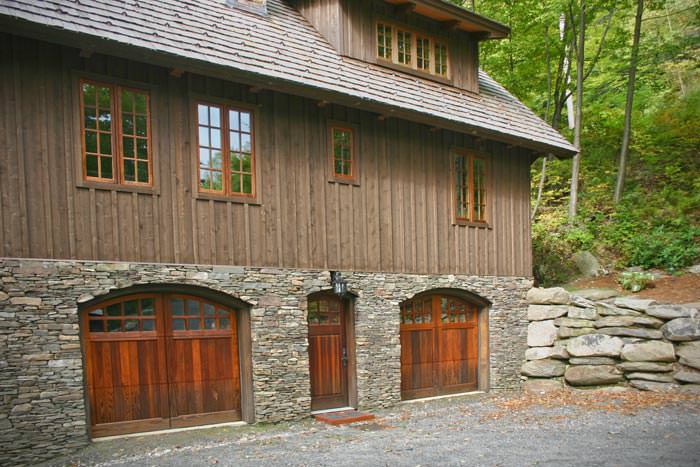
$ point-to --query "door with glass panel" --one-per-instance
(157, 361)
(439, 346)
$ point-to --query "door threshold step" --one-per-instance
(343, 417)
(166, 431)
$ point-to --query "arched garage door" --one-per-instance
(158, 361)
(439, 345)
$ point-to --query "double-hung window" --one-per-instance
(226, 150)
(470, 188)
(116, 134)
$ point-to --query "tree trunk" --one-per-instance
(543, 175)
(628, 106)
(573, 196)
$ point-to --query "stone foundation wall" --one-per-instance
(42, 410)
(622, 341)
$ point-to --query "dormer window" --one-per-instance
(417, 52)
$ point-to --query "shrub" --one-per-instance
(635, 281)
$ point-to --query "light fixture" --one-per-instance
(340, 287)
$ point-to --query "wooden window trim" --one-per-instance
(470, 156)
(226, 104)
(354, 178)
(413, 67)
(117, 182)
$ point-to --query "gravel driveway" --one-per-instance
(489, 430)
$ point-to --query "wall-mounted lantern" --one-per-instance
(340, 287)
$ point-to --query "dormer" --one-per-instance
(432, 39)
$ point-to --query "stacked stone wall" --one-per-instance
(42, 401)
(624, 341)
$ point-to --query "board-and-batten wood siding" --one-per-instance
(397, 220)
(348, 27)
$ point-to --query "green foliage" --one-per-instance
(657, 223)
(635, 281)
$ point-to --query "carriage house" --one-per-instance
(217, 211)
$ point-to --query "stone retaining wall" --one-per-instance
(42, 411)
(623, 341)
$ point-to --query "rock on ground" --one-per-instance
(650, 351)
(658, 377)
(689, 353)
(545, 368)
(682, 329)
(595, 345)
(623, 321)
(592, 375)
(592, 361)
(538, 353)
(541, 333)
(543, 312)
(645, 366)
(588, 265)
(632, 332)
(652, 385)
(542, 385)
(638, 304)
(551, 296)
(670, 311)
(687, 375)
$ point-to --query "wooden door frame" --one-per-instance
(348, 304)
(483, 371)
(243, 323)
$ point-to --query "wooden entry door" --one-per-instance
(328, 355)
(439, 346)
(158, 361)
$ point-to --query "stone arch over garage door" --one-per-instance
(444, 343)
(165, 356)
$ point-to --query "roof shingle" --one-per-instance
(283, 45)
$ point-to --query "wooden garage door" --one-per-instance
(158, 361)
(439, 346)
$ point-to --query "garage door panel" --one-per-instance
(142, 376)
(417, 359)
(439, 346)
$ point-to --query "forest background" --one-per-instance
(656, 221)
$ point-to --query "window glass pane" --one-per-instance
(248, 184)
(178, 325)
(90, 118)
(104, 97)
(89, 94)
(204, 158)
(192, 307)
(129, 170)
(114, 310)
(142, 172)
(148, 325)
(217, 181)
(131, 308)
(106, 167)
(205, 179)
(97, 312)
(114, 325)
(131, 325)
(91, 142)
(147, 307)
(193, 323)
(235, 141)
(204, 136)
(127, 101)
(141, 103)
(209, 324)
(96, 325)
(245, 122)
(105, 120)
(105, 143)
(245, 163)
(245, 143)
(236, 183)
(209, 309)
(142, 148)
(127, 124)
(216, 139)
(177, 306)
(141, 125)
(128, 146)
(234, 120)
(215, 115)
(91, 166)
(224, 323)
(203, 114)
